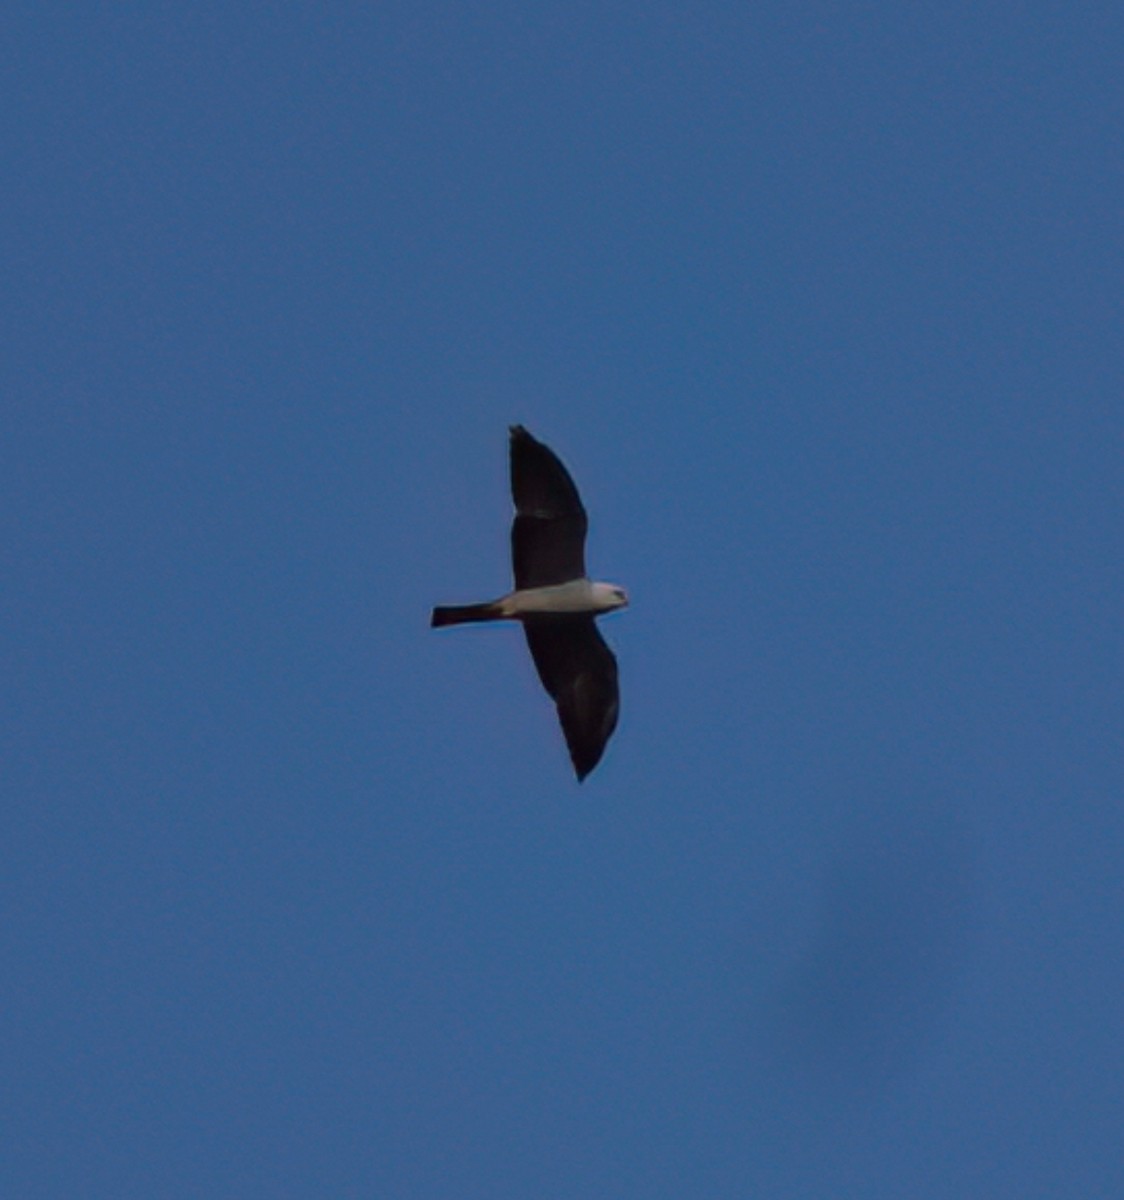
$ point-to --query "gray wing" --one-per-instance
(579, 671)
(548, 534)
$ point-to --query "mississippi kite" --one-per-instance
(556, 601)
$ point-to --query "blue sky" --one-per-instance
(821, 305)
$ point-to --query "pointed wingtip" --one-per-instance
(517, 431)
(584, 768)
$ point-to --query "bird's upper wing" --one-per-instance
(579, 671)
(548, 534)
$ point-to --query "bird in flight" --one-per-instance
(556, 601)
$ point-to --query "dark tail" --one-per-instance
(462, 614)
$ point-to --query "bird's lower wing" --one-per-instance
(579, 671)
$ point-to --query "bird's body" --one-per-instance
(559, 599)
(556, 601)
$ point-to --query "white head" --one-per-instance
(608, 596)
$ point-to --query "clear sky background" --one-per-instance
(821, 304)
